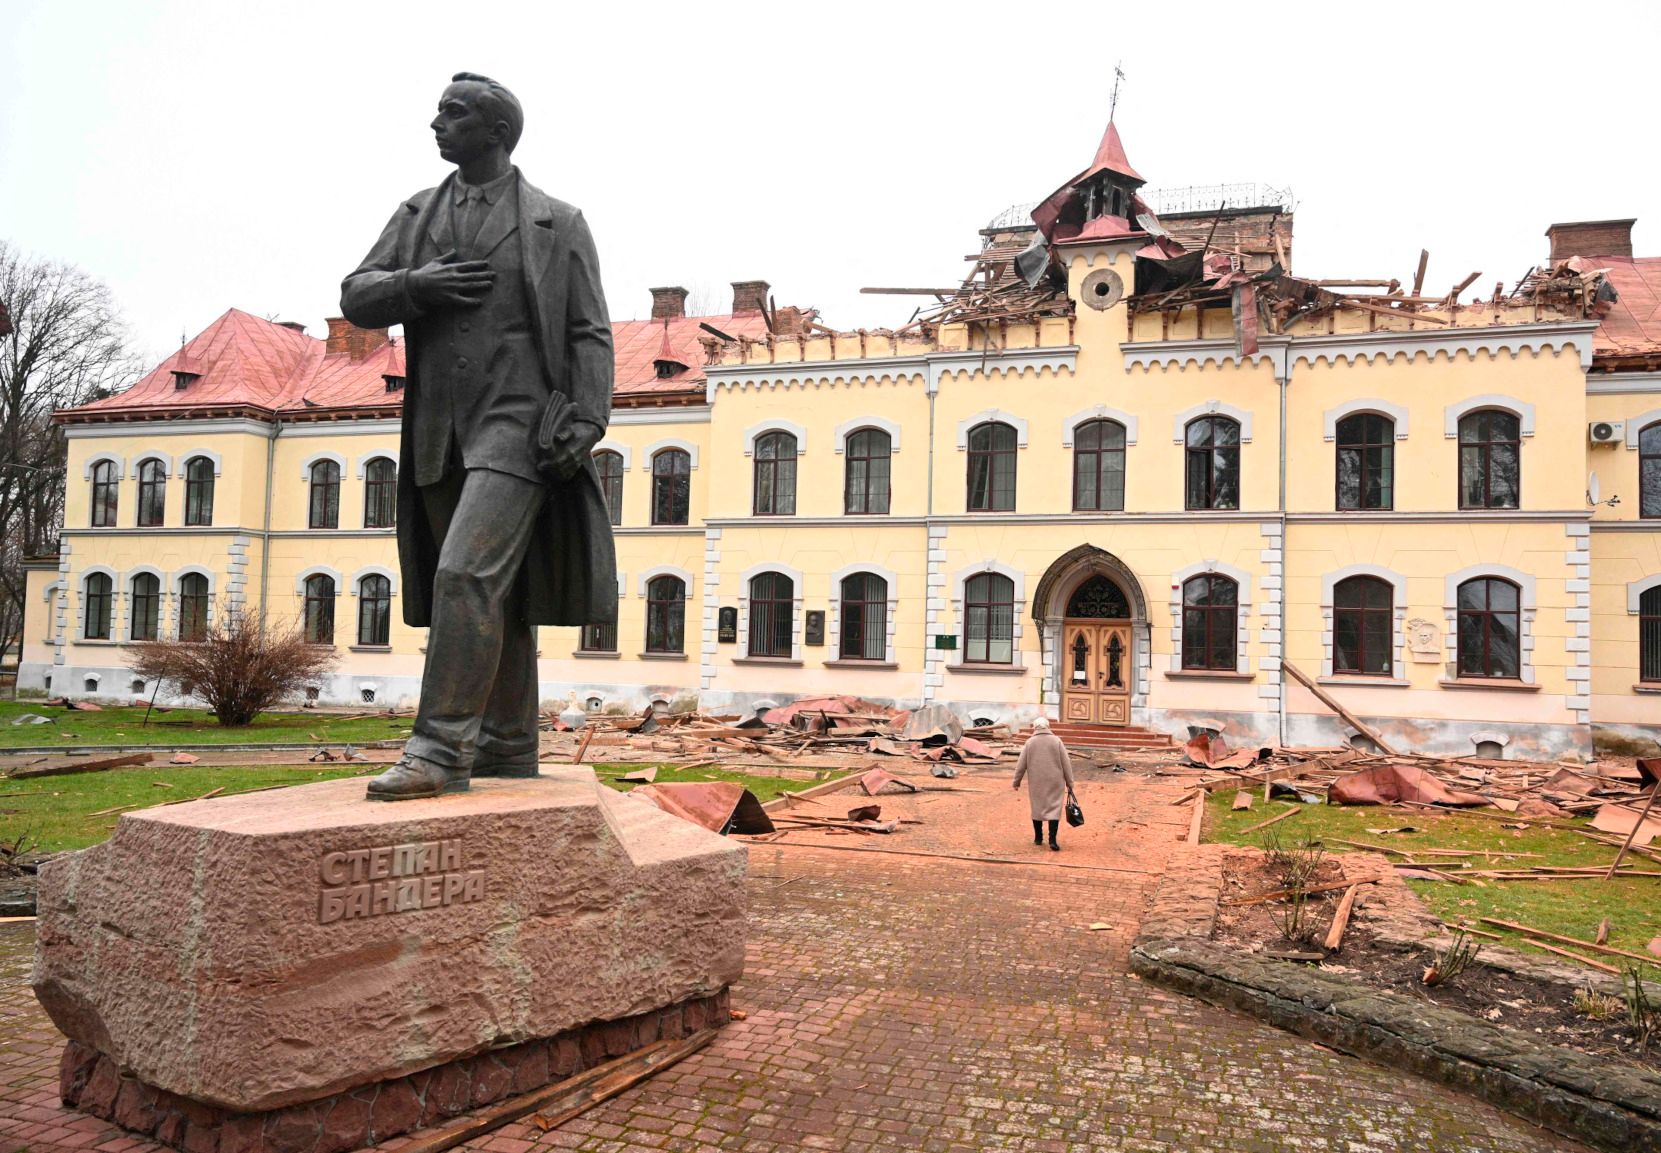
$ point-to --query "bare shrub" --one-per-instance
(1453, 959)
(1643, 1014)
(235, 668)
(1295, 917)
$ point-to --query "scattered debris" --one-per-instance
(720, 806)
(183, 758)
(644, 776)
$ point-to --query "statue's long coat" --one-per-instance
(570, 574)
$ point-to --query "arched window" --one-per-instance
(105, 488)
(199, 491)
(671, 487)
(380, 494)
(666, 615)
(1490, 628)
(193, 607)
(865, 486)
(991, 467)
(320, 608)
(1099, 466)
(374, 610)
(152, 493)
(1210, 622)
(772, 614)
(1490, 461)
(1363, 626)
(989, 619)
(1649, 471)
(1649, 635)
(610, 467)
(96, 606)
(1213, 469)
(325, 495)
(864, 618)
(1098, 599)
(775, 484)
(146, 607)
(1366, 461)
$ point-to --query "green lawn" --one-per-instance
(71, 812)
(125, 726)
(1572, 908)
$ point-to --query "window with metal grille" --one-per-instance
(1649, 635)
(193, 607)
(775, 483)
(610, 467)
(1649, 471)
(864, 618)
(1366, 461)
(989, 620)
(1490, 628)
(1213, 463)
(1099, 466)
(96, 606)
(1490, 460)
(991, 484)
(320, 609)
(867, 458)
(374, 610)
(1210, 623)
(380, 493)
(199, 491)
(772, 615)
(599, 638)
(671, 487)
(152, 493)
(146, 607)
(1363, 626)
(665, 615)
(105, 491)
(325, 495)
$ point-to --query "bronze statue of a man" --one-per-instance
(502, 523)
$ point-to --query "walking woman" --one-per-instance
(1044, 757)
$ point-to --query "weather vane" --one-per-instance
(1118, 75)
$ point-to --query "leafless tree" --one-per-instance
(238, 669)
(66, 345)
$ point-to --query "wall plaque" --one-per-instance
(814, 627)
(726, 625)
(1424, 641)
(945, 640)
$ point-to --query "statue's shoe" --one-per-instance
(412, 778)
(504, 768)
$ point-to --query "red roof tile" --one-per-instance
(1633, 326)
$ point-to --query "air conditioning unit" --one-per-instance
(1605, 431)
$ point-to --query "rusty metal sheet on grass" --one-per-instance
(720, 806)
(1387, 784)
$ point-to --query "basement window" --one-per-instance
(368, 696)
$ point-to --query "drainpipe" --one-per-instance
(1284, 380)
(265, 532)
(932, 388)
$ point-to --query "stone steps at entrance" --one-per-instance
(1106, 737)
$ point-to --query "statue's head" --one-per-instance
(475, 115)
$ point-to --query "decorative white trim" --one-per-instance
(896, 370)
(1099, 412)
(1018, 582)
(1637, 589)
(1398, 612)
(1624, 384)
(1331, 417)
(1635, 425)
(619, 448)
(796, 621)
(114, 458)
(145, 570)
(1180, 423)
(151, 454)
(1353, 347)
(305, 465)
(1521, 409)
(179, 427)
(315, 570)
(1523, 580)
(87, 574)
(1329, 582)
(988, 416)
(651, 574)
(1527, 609)
(833, 627)
(184, 459)
(848, 570)
(678, 415)
(390, 574)
(375, 454)
(1243, 601)
(658, 446)
(755, 570)
(848, 427)
(756, 431)
(50, 591)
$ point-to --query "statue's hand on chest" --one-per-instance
(450, 282)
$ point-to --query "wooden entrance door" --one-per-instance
(1096, 672)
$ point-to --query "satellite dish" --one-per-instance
(1594, 491)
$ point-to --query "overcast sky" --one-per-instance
(201, 156)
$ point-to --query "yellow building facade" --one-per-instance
(1117, 483)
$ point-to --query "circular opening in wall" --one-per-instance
(595, 704)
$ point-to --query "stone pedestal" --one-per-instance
(254, 964)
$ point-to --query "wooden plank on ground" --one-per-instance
(1292, 812)
(97, 766)
(1326, 699)
(1199, 818)
(1530, 931)
(1341, 919)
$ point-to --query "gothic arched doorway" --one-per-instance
(1095, 629)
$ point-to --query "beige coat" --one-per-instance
(1045, 758)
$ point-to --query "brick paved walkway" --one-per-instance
(930, 1003)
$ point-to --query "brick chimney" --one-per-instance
(749, 295)
(292, 326)
(1591, 238)
(355, 342)
(668, 303)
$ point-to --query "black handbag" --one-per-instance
(551, 431)
(1075, 815)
